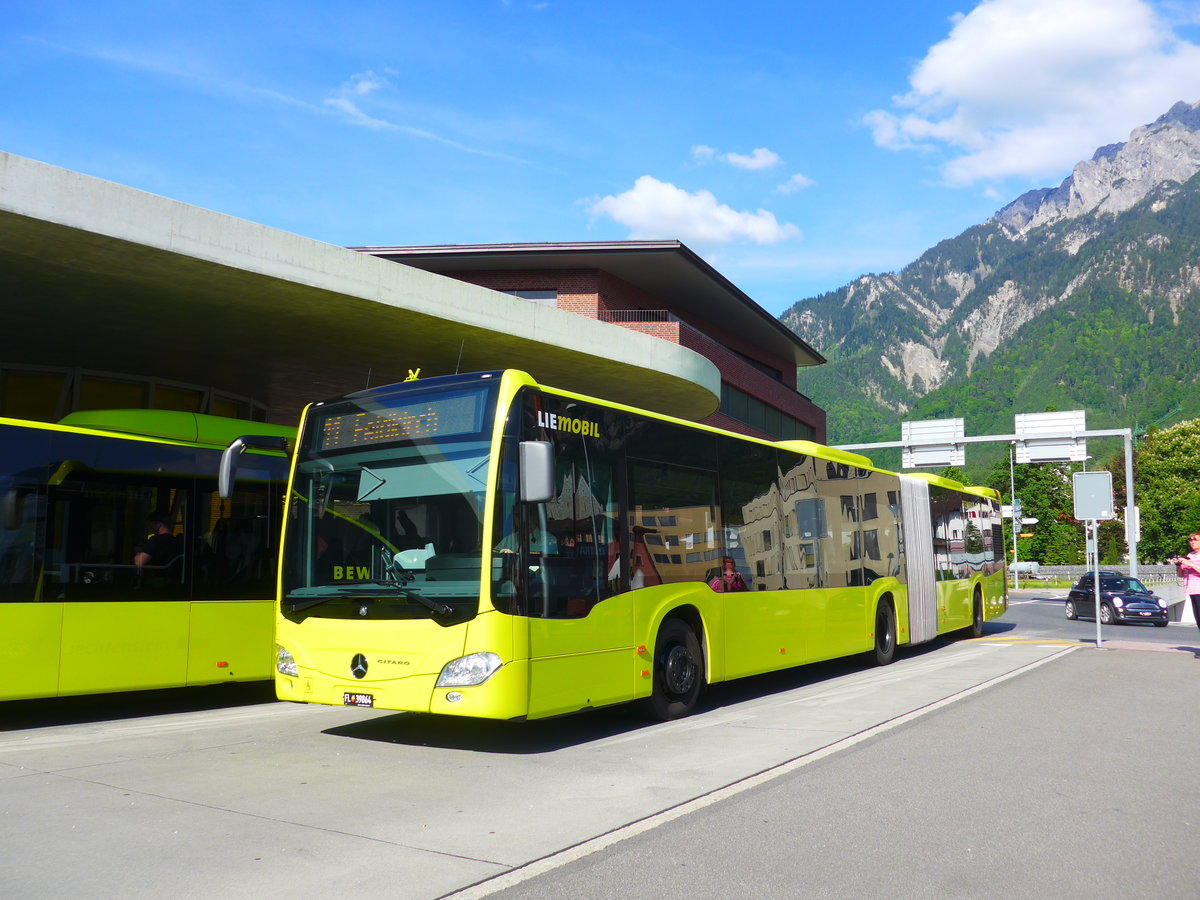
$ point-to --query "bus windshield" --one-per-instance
(387, 505)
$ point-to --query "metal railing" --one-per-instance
(621, 316)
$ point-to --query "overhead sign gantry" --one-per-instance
(1036, 437)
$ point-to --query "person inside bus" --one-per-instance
(728, 579)
(540, 541)
(161, 546)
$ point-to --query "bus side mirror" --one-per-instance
(228, 471)
(537, 471)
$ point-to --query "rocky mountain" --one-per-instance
(1086, 295)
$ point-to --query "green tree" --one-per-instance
(1168, 489)
(1045, 492)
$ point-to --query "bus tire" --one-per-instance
(885, 633)
(976, 630)
(678, 671)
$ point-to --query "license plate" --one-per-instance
(1143, 614)
(349, 699)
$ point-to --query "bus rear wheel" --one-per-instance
(976, 630)
(885, 633)
(678, 671)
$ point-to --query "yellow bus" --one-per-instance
(120, 566)
(481, 545)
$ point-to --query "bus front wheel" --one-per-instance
(885, 633)
(678, 671)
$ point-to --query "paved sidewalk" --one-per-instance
(1069, 780)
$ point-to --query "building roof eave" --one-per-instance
(667, 269)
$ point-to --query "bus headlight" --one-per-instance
(285, 663)
(475, 668)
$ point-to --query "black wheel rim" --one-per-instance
(679, 671)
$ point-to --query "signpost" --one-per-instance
(1093, 504)
(934, 442)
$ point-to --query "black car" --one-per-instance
(1122, 599)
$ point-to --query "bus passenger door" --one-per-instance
(580, 627)
(845, 609)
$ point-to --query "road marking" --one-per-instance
(561, 858)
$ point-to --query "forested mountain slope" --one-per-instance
(1082, 296)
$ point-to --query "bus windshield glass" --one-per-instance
(387, 504)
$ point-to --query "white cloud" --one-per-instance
(359, 88)
(1029, 87)
(355, 115)
(761, 158)
(654, 209)
(797, 182)
(364, 83)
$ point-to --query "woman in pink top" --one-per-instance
(1189, 568)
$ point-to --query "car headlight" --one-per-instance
(1161, 602)
(466, 671)
(285, 663)
(1119, 601)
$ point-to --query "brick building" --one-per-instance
(659, 288)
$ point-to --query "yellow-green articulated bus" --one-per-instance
(480, 545)
(121, 568)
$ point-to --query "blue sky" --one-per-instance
(796, 145)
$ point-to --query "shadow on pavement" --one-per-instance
(548, 735)
(17, 715)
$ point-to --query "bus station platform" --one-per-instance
(998, 767)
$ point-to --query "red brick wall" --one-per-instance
(587, 292)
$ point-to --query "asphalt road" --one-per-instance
(1027, 763)
(1039, 611)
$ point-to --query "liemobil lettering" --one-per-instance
(555, 422)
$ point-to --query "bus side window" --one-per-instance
(674, 522)
(571, 543)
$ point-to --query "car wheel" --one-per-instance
(1106, 614)
(1160, 624)
(678, 671)
(1072, 613)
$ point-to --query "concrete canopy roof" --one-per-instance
(666, 269)
(108, 278)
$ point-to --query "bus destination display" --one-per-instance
(429, 418)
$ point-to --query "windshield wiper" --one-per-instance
(440, 609)
(298, 605)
